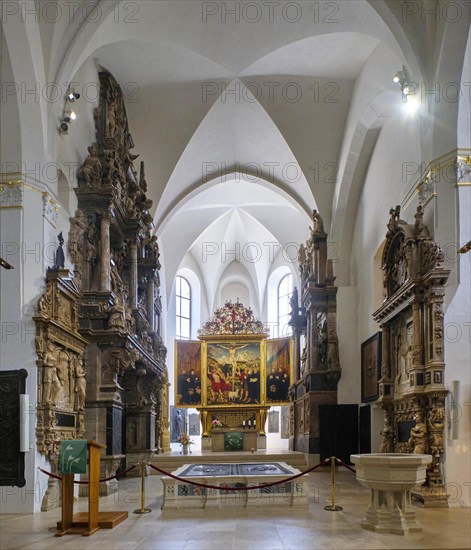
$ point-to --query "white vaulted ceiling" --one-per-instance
(241, 127)
(236, 221)
(245, 127)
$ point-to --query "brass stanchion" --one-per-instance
(143, 509)
(332, 507)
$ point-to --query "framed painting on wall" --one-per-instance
(187, 373)
(279, 370)
(233, 373)
(370, 368)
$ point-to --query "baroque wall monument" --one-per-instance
(411, 388)
(314, 322)
(100, 351)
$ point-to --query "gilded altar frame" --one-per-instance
(203, 381)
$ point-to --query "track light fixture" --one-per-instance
(68, 114)
(399, 77)
(72, 96)
(408, 89)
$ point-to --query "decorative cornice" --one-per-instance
(425, 186)
(12, 186)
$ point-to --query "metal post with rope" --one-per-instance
(143, 509)
(332, 507)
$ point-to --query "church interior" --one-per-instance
(235, 241)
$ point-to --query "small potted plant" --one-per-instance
(185, 442)
(216, 423)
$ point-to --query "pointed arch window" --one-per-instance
(285, 289)
(183, 309)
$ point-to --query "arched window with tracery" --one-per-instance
(285, 289)
(183, 308)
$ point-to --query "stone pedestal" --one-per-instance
(391, 478)
(165, 441)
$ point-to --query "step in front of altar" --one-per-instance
(226, 481)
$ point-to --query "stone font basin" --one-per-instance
(391, 477)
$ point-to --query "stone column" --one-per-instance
(296, 355)
(313, 339)
(437, 323)
(308, 341)
(133, 276)
(150, 303)
(321, 262)
(385, 365)
(416, 337)
(164, 425)
(105, 265)
(385, 383)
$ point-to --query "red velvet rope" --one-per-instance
(227, 488)
(50, 474)
(345, 465)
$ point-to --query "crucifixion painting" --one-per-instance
(233, 373)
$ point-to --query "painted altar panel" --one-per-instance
(279, 375)
(188, 373)
(233, 373)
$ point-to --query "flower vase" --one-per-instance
(185, 449)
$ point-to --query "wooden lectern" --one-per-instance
(86, 523)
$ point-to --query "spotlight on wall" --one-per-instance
(5, 264)
(72, 96)
(400, 76)
(68, 115)
(408, 89)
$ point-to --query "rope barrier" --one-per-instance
(116, 476)
(228, 488)
(50, 474)
(208, 486)
(345, 465)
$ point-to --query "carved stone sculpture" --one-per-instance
(333, 361)
(59, 258)
(80, 385)
(89, 174)
(45, 302)
(51, 383)
(418, 435)
(111, 118)
(419, 220)
(318, 224)
(387, 434)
